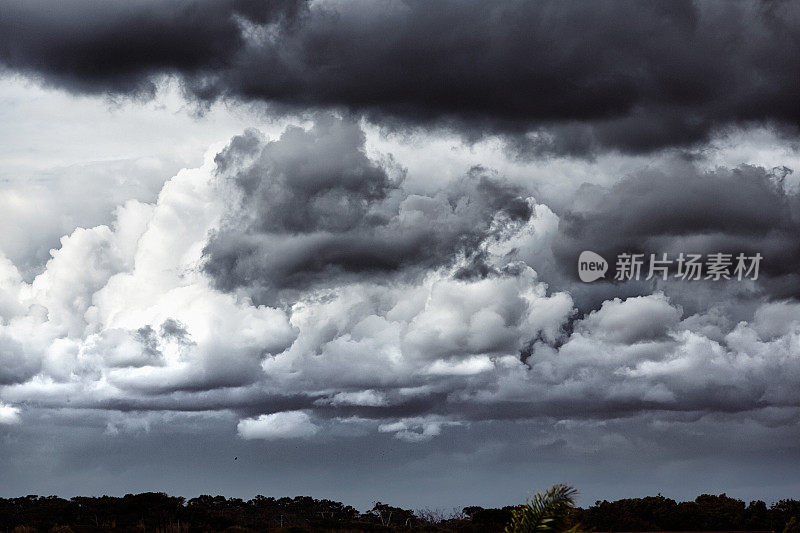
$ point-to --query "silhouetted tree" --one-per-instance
(545, 511)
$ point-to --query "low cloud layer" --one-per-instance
(554, 77)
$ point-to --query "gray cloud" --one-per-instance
(572, 77)
(311, 207)
(95, 47)
(320, 180)
(676, 208)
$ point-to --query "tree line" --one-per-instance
(160, 513)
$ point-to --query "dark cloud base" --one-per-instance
(555, 77)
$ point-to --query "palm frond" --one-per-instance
(545, 511)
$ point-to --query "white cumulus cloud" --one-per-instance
(283, 425)
(9, 414)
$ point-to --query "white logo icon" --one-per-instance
(591, 266)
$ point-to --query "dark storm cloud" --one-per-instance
(308, 181)
(312, 207)
(95, 46)
(575, 76)
(678, 209)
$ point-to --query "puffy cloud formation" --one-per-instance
(553, 76)
(101, 319)
(310, 207)
(283, 425)
(296, 285)
(8, 414)
(701, 363)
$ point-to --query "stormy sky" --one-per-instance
(339, 240)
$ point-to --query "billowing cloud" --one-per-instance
(452, 327)
(632, 320)
(311, 206)
(115, 308)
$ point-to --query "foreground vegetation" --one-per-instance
(552, 510)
